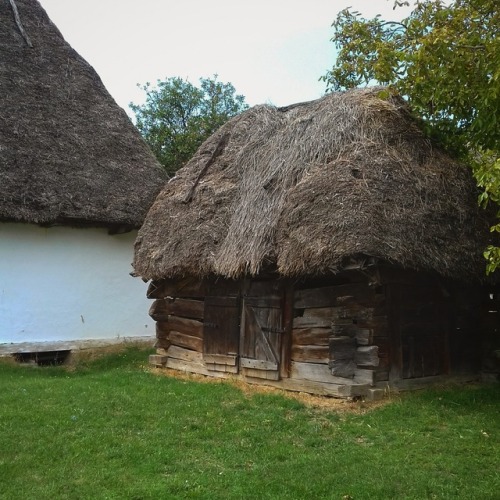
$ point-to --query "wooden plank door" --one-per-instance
(422, 326)
(262, 331)
(221, 333)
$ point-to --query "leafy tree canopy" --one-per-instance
(178, 116)
(444, 58)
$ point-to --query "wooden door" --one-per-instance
(262, 331)
(422, 329)
(221, 333)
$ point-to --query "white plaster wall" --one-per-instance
(64, 283)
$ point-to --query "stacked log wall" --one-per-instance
(340, 333)
(326, 319)
(178, 310)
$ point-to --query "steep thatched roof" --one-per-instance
(306, 187)
(68, 153)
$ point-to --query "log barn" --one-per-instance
(327, 247)
(76, 181)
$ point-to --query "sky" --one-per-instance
(272, 51)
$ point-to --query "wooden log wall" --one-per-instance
(344, 334)
(340, 333)
(435, 324)
(184, 313)
(421, 311)
(178, 310)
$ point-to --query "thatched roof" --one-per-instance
(68, 153)
(305, 188)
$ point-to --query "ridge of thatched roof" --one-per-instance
(303, 189)
(68, 153)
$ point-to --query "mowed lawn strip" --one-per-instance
(112, 429)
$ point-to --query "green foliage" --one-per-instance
(113, 430)
(178, 116)
(444, 58)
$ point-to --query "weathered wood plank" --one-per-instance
(264, 301)
(367, 356)
(157, 360)
(217, 367)
(342, 348)
(311, 336)
(320, 388)
(311, 322)
(185, 354)
(162, 343)
(258, 364)
(342, 328)
(364, 336)
(383, 360)
(381, 376)
(311, 386)
(339, 387)
(221, 301)
(351, 311)
(344, 368)
(162, 329)
(286, 337)
(271, 288)
(186, 308)
(331, 296)
(158, 310)
(154, 290)
(310, 353)
(261, 332)
(264, 374)
(364, 376)
(224, 288)
(220, 359)
(354, 390)
(221, 325)
(187, 326)
(314, 371)
(321, 312)
(187, 341)
(187, 287)
(378, 325)
(193, 367)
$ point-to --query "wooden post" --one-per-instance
(286, 341)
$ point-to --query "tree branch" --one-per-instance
(471, 47)
(391, 23)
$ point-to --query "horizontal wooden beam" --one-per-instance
(311, 336)
(186, 341)
(258, 364)
(221, 359)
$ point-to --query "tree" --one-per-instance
(444, 58)
(178, 116)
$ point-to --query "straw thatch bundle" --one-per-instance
(299, 190)
(68, 153)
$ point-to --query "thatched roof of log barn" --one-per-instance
(305, 188)
(68, 153)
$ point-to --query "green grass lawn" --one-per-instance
(111, 429)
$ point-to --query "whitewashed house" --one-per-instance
(76, 181)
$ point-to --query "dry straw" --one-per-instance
(299, 190)
(68, 153)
